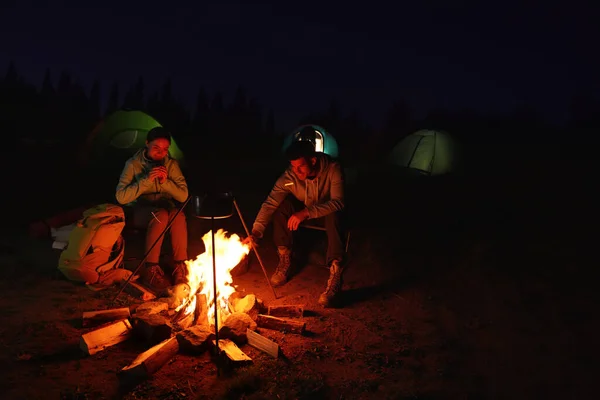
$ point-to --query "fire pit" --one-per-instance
(195, 320)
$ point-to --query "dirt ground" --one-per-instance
(498, 309)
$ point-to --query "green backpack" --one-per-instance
(95, 245)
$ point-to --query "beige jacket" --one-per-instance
(321, 195)
(134, 183)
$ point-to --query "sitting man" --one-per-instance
(316, 185)
(153, 183)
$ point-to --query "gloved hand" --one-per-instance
(254, 238)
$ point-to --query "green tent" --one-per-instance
(323, 140)
(426, 152)
(121, 134)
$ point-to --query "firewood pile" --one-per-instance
(167, 332)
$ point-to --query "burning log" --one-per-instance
(262, 343)
(95, 318)
(194, 340)
(201, 311)
(106, 336)
(279, 324)
(293, 311)
(153, 327)
(248, 304)
(215, 282)
(186, 321)
(231, 352)
(184, 318)
(139, 292)
(150, 361)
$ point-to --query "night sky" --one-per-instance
(296, 56)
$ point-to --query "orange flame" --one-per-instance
(229, 252)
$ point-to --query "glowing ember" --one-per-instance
(229, 252)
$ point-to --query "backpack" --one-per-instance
(95, 245)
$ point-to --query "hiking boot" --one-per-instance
(180, 273)
(154, 278)
(334, 285)
(281, 272)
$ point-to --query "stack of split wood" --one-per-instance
(168, 332)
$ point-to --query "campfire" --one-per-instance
(229, 253)
(187, 320)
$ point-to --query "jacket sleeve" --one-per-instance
(175, 185)
(336, 198)
(129, 188)
(275, 198)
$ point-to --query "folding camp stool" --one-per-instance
(317, 227)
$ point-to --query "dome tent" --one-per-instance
(324, 142)
(123, 132)
(426, 152)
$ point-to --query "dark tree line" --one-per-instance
(61, 113)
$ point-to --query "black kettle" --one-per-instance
(218, 205)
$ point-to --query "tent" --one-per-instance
(323, 140)
(426, 152)
(121, 134)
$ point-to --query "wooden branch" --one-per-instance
(186, 321)
(232, 353)
(106, 336)
(138, 291)
(279, 324)
(293, 311)
(95, 318)
(150, 361)
(262, 343)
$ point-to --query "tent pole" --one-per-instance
(414, 152)
(432, 162)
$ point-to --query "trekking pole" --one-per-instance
(150, 249)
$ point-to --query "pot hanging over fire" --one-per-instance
(217, 205)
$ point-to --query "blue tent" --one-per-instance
(324, 142)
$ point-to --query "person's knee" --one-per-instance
(180, 218)
(162, 215)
